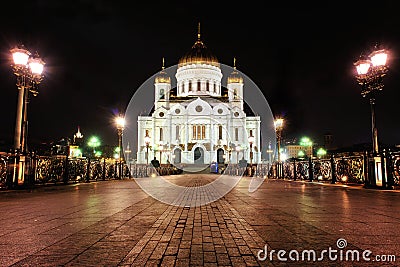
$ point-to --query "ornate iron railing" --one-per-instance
(3, 171)
(350, 169)
(393, 160)
(322, 170)
(342, 168)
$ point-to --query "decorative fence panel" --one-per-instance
(59, 169)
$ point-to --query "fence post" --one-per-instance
(88, 171)
(294, 170)
(104, 169)
(28, 172)
(333, 170)
(12, 171)
(389, 170)
(383, 168)
(310, 169)
(66, 170)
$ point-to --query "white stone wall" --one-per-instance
(201, 113)
(192, 74)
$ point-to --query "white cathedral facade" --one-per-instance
(199, 121)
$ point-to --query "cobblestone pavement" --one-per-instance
(114, 223)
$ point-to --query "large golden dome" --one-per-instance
(198, 54)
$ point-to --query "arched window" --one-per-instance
(236, 134)
(220, 132)
(198, 132)
(161, 134)
(198, 85)
(161, 93)
(190, 86)
(208, 86)
(177, 132)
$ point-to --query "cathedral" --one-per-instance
(200, 121)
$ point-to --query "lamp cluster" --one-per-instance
(28, 70)
(371, 70)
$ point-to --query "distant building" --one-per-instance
(78, 137)
(328, 141)
(293, 151)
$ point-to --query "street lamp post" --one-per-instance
(237, 148)
(128, 152)
(147, 142)
(120, 123)
(278, 129)
(28, 70)
(370, 73)
(308, 145)
(229, 154)
(94, 142)
(251, 140)
(269, 152)
(160, 147)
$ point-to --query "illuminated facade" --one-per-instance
(293, 151)
(199, 121)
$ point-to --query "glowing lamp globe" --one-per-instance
(20, 56)
(362, 66)
(120, 122)
(379, 58)
(36, 65)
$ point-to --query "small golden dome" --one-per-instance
(235, 77)
(198, 54)
(162, 76)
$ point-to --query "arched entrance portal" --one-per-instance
(198, 155)
(177, 154)
(220, 156)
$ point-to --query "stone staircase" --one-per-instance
(196, 168)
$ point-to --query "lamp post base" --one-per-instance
(376, 173)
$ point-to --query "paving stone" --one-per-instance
(183, 253)
(138, 230)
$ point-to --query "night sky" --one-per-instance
(98, 53)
